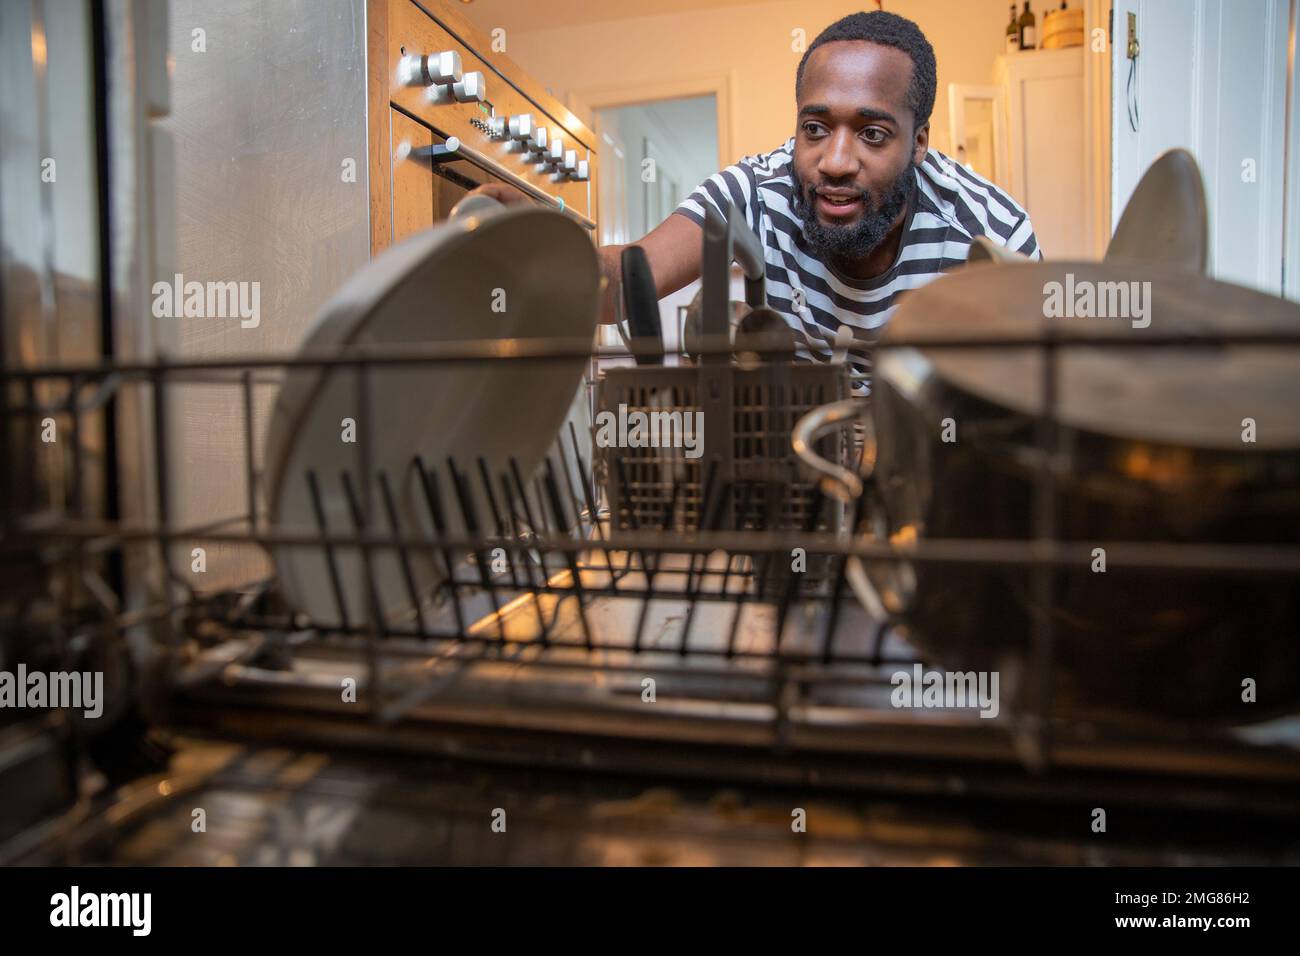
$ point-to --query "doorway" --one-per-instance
(656, 153)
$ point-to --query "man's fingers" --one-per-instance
(501, 192)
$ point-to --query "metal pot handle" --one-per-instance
(842, 484)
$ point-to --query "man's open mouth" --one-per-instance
(838, 205)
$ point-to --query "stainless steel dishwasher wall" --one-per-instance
(269, 126)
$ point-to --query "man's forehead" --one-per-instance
(866, 73)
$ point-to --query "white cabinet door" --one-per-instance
(1043, 92)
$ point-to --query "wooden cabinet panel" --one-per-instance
(413, 183)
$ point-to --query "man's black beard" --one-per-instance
(851, 243)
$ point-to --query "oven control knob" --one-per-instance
(537, 143)
(521, 127)
(554, 155)
(472, 88)
(568, 169)
(410, 71)
(442, 69)
(581, 173)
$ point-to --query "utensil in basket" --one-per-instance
(745, 475)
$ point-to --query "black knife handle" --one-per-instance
(641, 305)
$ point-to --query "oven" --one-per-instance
(447, 114)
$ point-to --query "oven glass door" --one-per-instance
(424, 192)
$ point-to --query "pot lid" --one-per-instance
(1167, 393)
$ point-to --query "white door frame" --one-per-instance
(958, 93)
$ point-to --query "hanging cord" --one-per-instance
(1130, 97)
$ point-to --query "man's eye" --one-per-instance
(812, 129)
(875, 135)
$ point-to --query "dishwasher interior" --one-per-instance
(648, 684)
(632, 658)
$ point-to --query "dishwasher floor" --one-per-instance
(281, 807)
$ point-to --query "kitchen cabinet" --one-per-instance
(1042, 100)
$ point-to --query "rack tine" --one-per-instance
(544, 635)
(570, 494)
(318, 510)
(378, 624)
(759, 585)
(486, 479)
(651, 572)
(592, 514)
(628, 510)
(716, 519)
(701, 508)
(837, 590)
(746, 492)
(470, 516)
(536, 524)
(520, 551)
(692, 582)
(390, 510)
(645, 565)
(433, 500)
(783, 611)
(558, 505)
(523, 495)
(250, 462)
(539, 494)
(587, 476)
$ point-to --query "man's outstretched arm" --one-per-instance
(673, 249)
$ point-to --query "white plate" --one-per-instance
(437, 286)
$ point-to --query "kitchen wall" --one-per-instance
(1211, 76)
(586, 59)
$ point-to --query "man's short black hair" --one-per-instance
(887, 29)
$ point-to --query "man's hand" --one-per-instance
(673, 249)
(502, 192)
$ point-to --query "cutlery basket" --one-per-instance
(708, 447)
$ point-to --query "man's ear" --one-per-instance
(922, 145)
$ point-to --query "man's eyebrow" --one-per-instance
(874, 114)
(867, 112)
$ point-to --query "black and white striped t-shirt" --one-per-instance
(950, 206)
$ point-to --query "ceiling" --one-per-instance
(527, 15)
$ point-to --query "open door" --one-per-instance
(977, 130)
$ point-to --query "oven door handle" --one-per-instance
(454, 149)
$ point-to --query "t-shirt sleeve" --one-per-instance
(735, 184)
(1023, 240)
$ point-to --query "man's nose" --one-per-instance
(839, 159)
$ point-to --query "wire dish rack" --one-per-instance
(557, 632)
